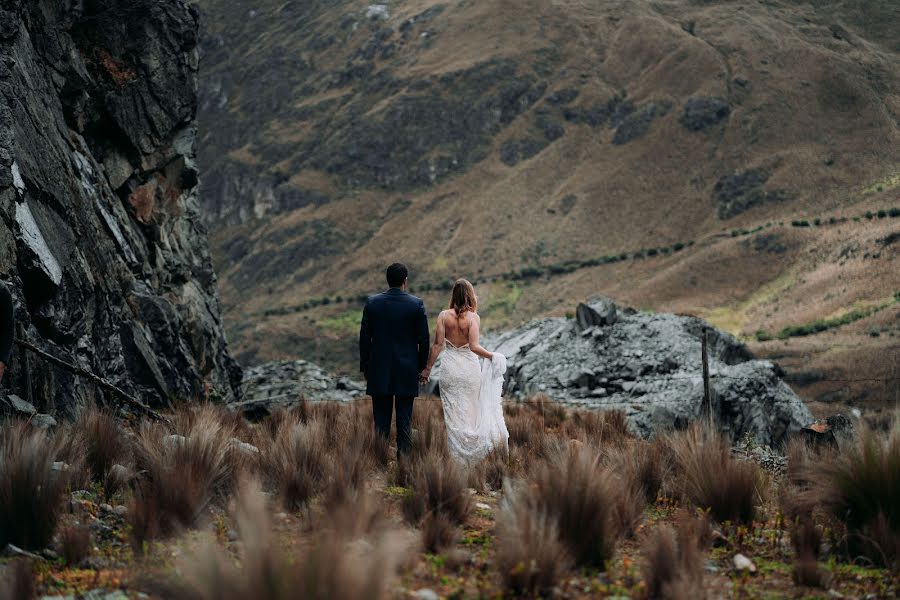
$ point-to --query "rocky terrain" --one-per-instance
(100, 228)
(713, 158)
(283, 383)
(649, 366)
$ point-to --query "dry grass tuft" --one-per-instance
(31, 490)
(642, 465)
(711, 479)
(860, 487)
(74, 543)
(17, 581)
(591, 506)
(438, 532)
(294, 461)
(531, 557)
(179, 474)
(104, 445)
(673, 567)
(335, 566)
(437, 486)
(806, 539)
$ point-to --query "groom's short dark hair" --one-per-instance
(397, 274)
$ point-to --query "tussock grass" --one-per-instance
(179, 474)
(104, 445)
(17, 580)
(592, 507)
(31, 490)
(74, 542)
(860, 487)
(806, 539)
(294, 461)
(706, 475)
(335, 566)
(531, 557)
(436, 487)
(674, 558)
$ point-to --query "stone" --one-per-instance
(598, 311)
(425, 594)
(119, 472)
(243, 447)
(702, 112)
(42, 421)
(648, 366)
(19, 405)
(483, 506)
(743, 564)
(174, 440)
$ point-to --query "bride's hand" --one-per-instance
(424, 375)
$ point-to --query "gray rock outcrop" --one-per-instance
(284, 383)
(649, 366)
(100, 231)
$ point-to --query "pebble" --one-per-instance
(833, 593)
(121, 510)
(232, 535)
(742, 563)
(483, 506)
(426, 594)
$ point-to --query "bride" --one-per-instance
(470, 391)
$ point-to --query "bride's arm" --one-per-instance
(474, 334)
(436, 347)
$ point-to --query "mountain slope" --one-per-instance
(523, 144)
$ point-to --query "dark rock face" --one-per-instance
(100, 228)
(649, 366)
(702, 112)
(742, 190)
(636, 124)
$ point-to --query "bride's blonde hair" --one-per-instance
(463, 299)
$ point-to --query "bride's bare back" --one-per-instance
(457, 329)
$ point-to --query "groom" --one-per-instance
(393, 350)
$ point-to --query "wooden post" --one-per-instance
(704, 353)
(24, 360)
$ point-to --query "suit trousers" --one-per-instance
(382, 410)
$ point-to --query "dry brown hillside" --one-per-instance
(531, 146)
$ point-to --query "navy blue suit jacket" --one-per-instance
(393, 343)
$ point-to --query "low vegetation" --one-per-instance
(310, 502)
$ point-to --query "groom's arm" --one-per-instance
(365, 341)
(422, 336)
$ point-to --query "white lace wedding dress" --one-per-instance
(471, 395)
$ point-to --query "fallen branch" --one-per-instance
(103, 383)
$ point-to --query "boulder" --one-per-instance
(649, 367)
(42, 421)
(597, 311)
(20, 406)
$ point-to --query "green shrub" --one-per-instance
(882, 213)
(869, 214)
(678, 247)
(817, 221)
(763, 336)
(894, 212)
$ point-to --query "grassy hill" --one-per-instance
(538, 148)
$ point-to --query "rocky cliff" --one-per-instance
(649, 366)
(100, 231)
